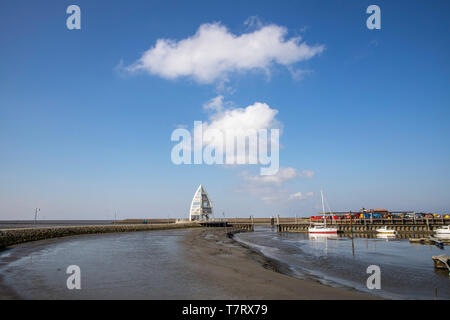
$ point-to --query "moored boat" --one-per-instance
(443, 231)
(385, 230)
(320, 228)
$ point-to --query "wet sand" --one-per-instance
(246, 274)
(209, 265)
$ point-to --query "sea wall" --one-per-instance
(9, 237)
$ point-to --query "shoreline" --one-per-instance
(248, 274)
(213, 255)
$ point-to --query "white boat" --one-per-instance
(385, 230)
(321, 228)
(443, 231)
(443, 236)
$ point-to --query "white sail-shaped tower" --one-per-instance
(201, 206)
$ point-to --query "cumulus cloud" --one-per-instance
(257, 116)
(213, 52)
(243, 125)
(283, 175)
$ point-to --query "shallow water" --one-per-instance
(407, 271)
(135, 265)
(153, 265)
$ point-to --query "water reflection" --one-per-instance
(407, 270)
(323, 237)
(386, 236)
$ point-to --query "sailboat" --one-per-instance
(321, 228)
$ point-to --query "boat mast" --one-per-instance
(323, 208)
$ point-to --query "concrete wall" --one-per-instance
(9, 237)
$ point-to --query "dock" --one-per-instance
(225, 224)
(442, 262)
(430, 240)
(369, 225)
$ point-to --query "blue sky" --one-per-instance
(81, 138)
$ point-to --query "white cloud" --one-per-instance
(270, 188)
(242, 124)
(254, 117)
(215, 104)
(283, 175)
(213, 52)
(271, 198)
(301, 196)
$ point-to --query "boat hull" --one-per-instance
(322, 230)
(386, 231)
(443, 231)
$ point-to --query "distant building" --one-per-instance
(201, 206)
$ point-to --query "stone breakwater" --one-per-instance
(9, 237)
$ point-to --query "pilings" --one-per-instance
(214, 224)
(243, 226)
(222, 224)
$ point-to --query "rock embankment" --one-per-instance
(9, 237)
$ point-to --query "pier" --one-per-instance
(369, 225)
(225, 224)
(243, 226)
(442, 262)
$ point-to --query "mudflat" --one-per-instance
(246, 274)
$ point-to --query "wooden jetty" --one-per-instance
(442, 262)
(244, 226)
(428, 240)
(223, 224)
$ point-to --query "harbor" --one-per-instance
(278, 257)
(329, 266)
(408, 270)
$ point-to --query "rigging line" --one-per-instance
(326, 203)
